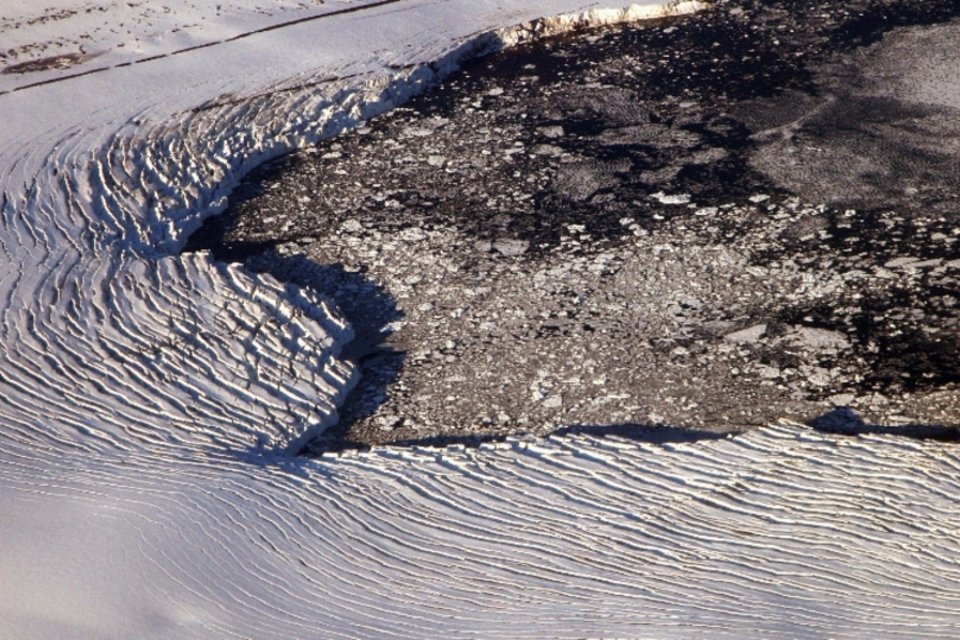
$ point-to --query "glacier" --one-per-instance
(150, 401)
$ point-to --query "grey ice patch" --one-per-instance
(819, 339)
(883, 131)
(510, 247)
(750, 334)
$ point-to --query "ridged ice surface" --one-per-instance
(777, 533)
(149, 402)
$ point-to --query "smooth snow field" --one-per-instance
(150, 402)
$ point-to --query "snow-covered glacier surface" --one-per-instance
(149, 401)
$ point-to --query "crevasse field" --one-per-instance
(149, 401)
